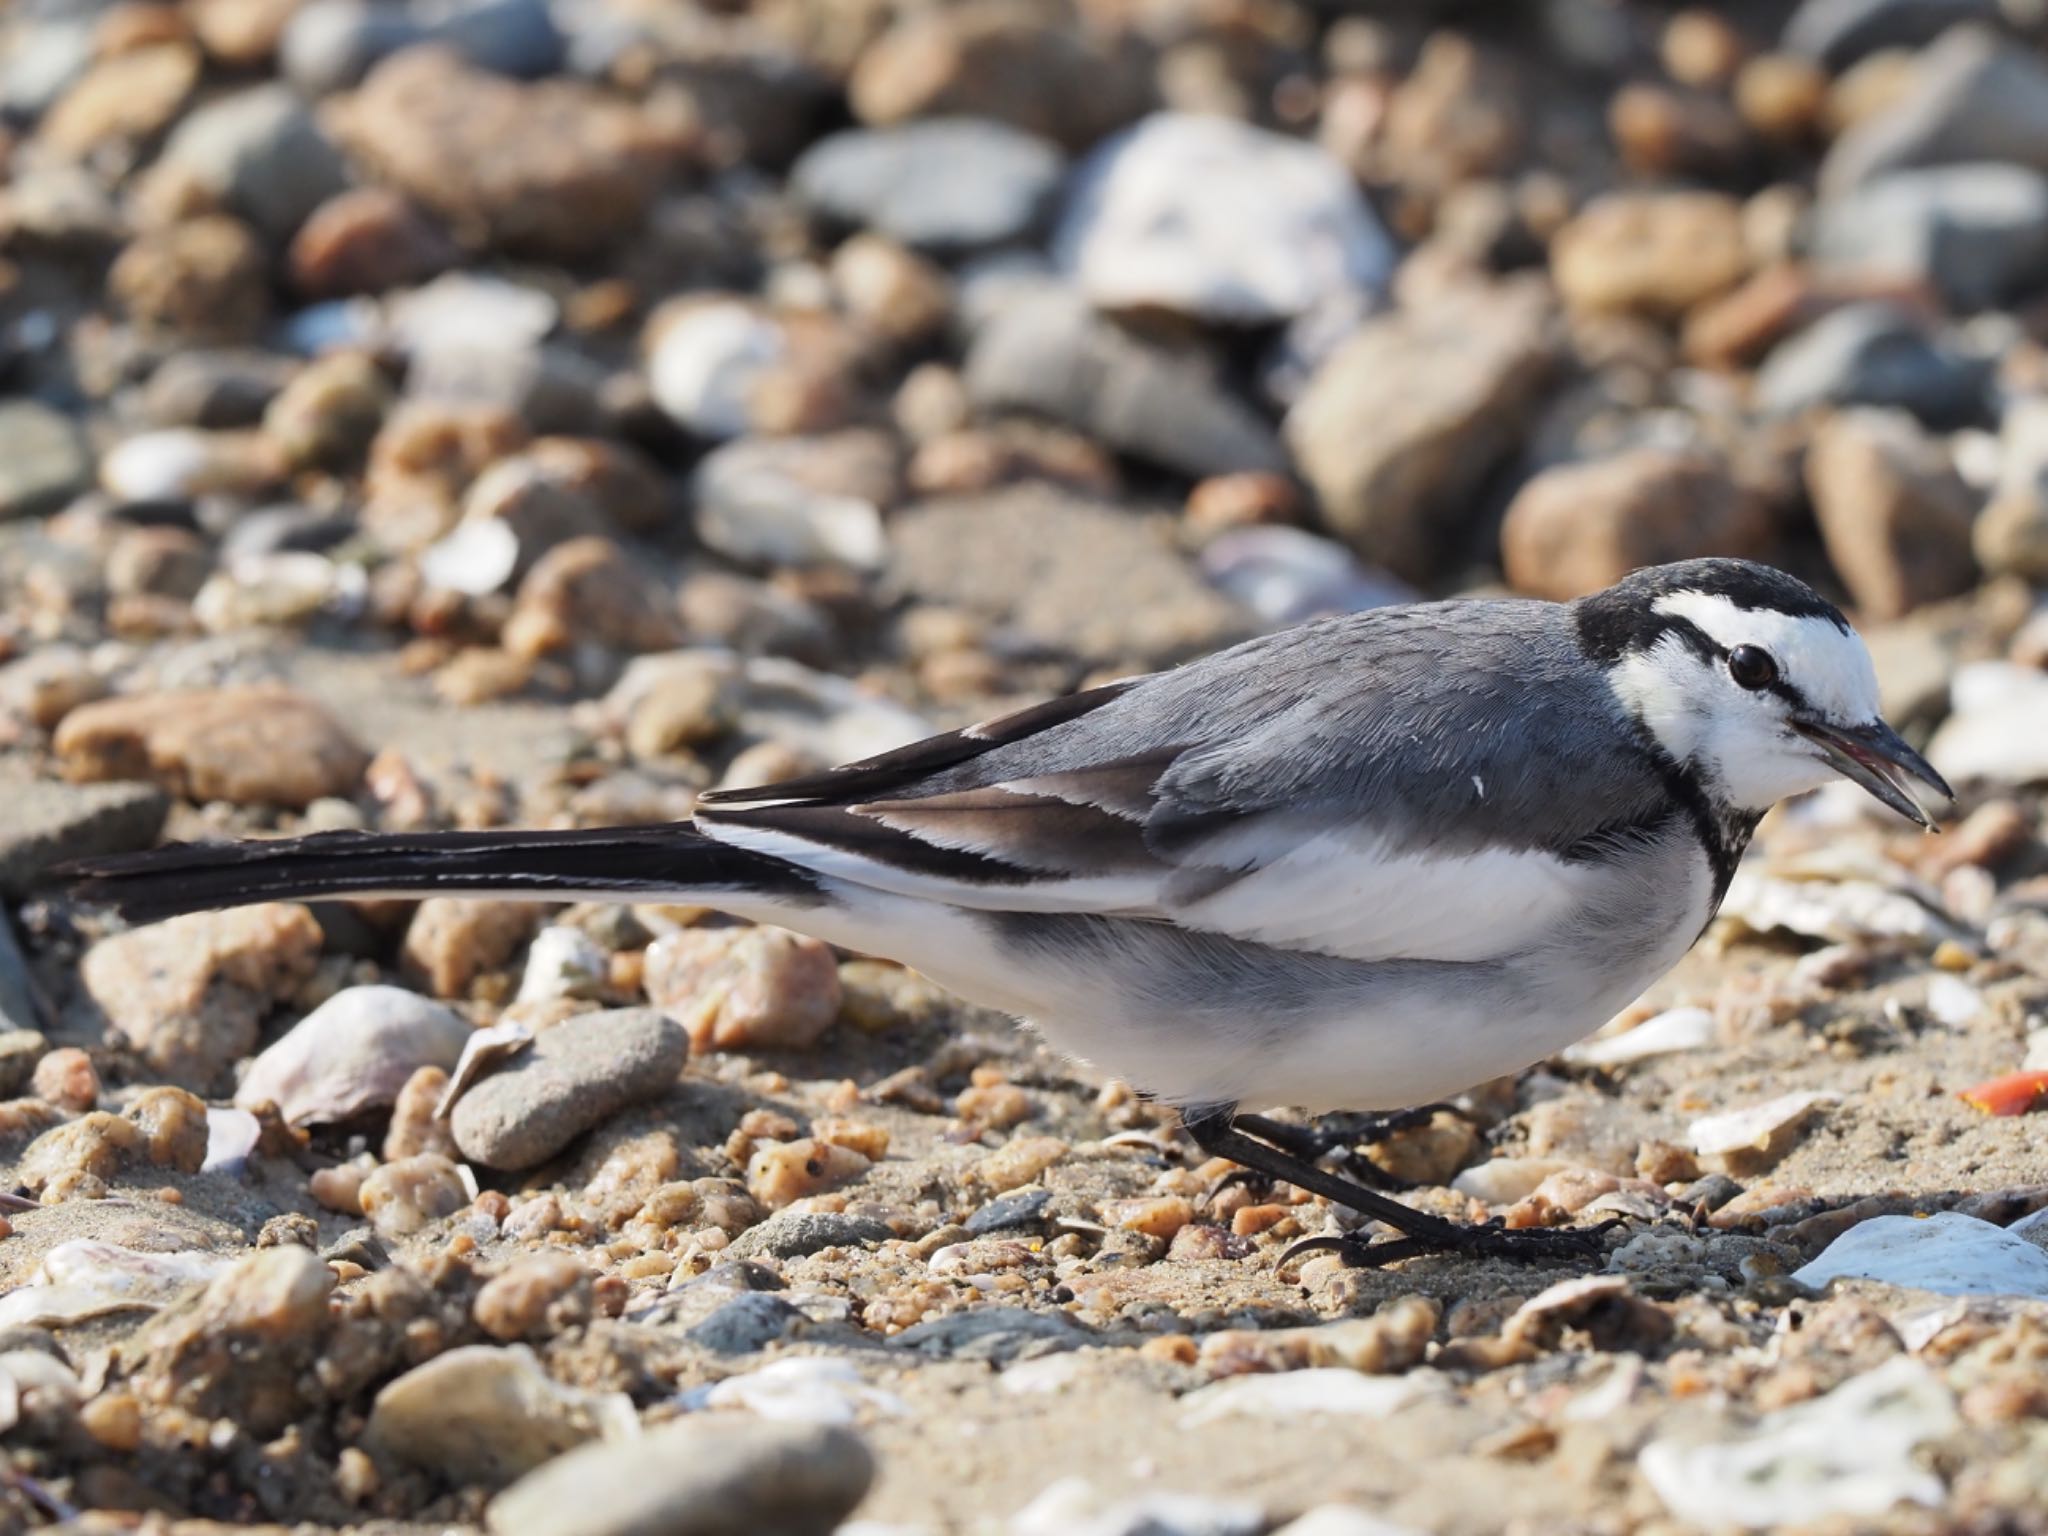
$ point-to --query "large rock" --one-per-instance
(1651, 253)
(250, 746)
(950, 185)
(1976, 234)
(1837, 33)
(44, 824)
(260, 154)
(1580, 527)
(1874, 354)
(1064, 573)
(706, 1475)
(190, 994)
(554, 169)
(1049, 355)
(1892, 510)
(1398, 429)
(743, 989)
(44, 460)
(1217, 219)
(1021, 62)
(577, 1075)
(1975, 96)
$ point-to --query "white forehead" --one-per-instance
(1830, 667)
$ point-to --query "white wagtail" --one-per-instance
(1361, 864)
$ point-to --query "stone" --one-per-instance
(1837, 33)
(182, 464)
(241, 34)
(354, 1052)
(44, 824)
(452, 941)
(44, 460)
(1650, 253)
(1975, 234)
(411, 1194)
(214, 390)
(507, 37)
(42, 61)
(206, 280)
(799, 1234)
(705, 363)
(1874, 354)
(1578, 527)
(330, 412)
(751, 1322)
(1080, 577)
(123, 101)
(589, 591)
(329, 45)
(768, 502)
(1015, 61)
(577, 1075)
(259, 154)
(480, 1414)
(744, 989)
(891, 291)
(237, 1351)
(950, 186)
(1050, 355)
(1974, 96)
(2011, 534)
(704, 1475)
(190, 994)
(1398, 429)
(554, 169)
(367, 240)
(158, 562)
(1218, 220)
(257, 745)
(1894, 514)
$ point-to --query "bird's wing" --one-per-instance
(1420, 783)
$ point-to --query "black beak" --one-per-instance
(1877, 758)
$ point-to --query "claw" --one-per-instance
(1525, 1245)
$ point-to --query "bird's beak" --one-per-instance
(1877, 758)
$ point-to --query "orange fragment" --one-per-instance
(2014, 1094)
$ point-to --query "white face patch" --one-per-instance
(1741, 740)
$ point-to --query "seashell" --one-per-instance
(352, 1053)
(1835, 911)
(1504, 1180)
(482, 1053)
(231, 1137)
(1759, 1128)
(808, 1389)
(1672, 1031)
(1319, 1389)
(86, 1278)
(563, 962)
(1948, 1252)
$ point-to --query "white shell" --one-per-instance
(1674, 1030)
(1836, 911)
(1754, 1128)
(1320, 1389)
(807, 1389)
(1948, 1252)
(563, 962)
(352, 1053)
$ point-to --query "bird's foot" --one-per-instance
(1528, 1245)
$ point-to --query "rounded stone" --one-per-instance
(577, 1075)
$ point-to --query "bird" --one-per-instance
(1362, 864)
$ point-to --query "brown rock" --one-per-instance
(743, 989)
(240, 1350)
(890, 290)
(1399, 427)
(424, 460)
(414, 1126)
(241, 34)
(451, 942)
(783, 1172)
(262, 745)
(1022, 62)
(189, 994)
(628, 492)
(123, 100)
(1893, 512)
(590, 591)
(328, 414)
(1662, 131)
(366, 240)
(66, 1079)
(1738, 328)
(1781, 97)
(1457, 117)
(1580, 527)
(553, 169)
(412, 1194)
(1700, 48)
(205, 280)
(1650, 253)
(158, 562)
(538, 1296)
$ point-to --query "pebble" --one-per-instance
(2011, 534)
(1894, 514)
(239, 1350)
(1398, 429)
(1050, 355)
(750, 1323)
(1287, 575)
(1993, 737)
(354, 1052)
(798, 1234)
(783, 1172)
(181, 464)
(562, 962)
(590, 592)
(706, 361)
(452, 941)
(189, 994)
(66, 1079)
(259, 745)
(1651, 253)
(202, 280)
(1873, 354)
(947, 186)
(811, 1389)
(1576, 528)
(704, 1475)
(44, 460)
(1319, 1390)
(797, 501)
(49, 823)
(1976, 234)
(1200, 216)
(577, 1075)
(411, 1194)
(488, 1415)
(744, 989)
(162, 1128)
(1973, 96)
(1072, 1506)
(258, 153)
(120, 101)
(367, 240)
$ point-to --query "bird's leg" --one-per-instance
(1345, 1133)
(1215, 1130)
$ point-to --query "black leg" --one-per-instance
(1215, 1130)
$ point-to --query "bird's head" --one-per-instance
(1753, 681)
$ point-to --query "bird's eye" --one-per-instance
(1752, 667)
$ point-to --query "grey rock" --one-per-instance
(1064, 574)
(20, 1048)
(44, 823)
(44, 460)
(996, 1335)
(1288, 575)
(1976, 233)
(44, 58)
(746, 1324)
(21, 1009)
(1008, 1213)
(1975, 96)
(576, 1075)
(795, 1234)
(518, 38)
(707, 1475)
(1050, 355)
(950, 186)
(214, 390)
(1837, 33)
(267, 530)
(1873, 354)
(261, 152)
(550, 388)
(329, 45)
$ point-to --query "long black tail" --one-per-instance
(673, 861)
